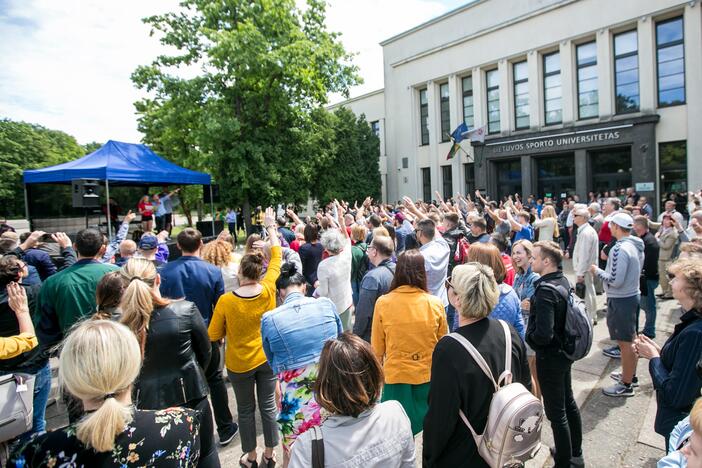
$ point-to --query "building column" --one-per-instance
(604, 74)
(647, 69)
(568, 77)
(693, 77)
(536, 101)
(434, 123)
(643, 158)
(456, 112)
(506, 117)
(528, 182)
(582, 178)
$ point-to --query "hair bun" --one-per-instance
(288, 269)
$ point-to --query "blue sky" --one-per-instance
(66, 64)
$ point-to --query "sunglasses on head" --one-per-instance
(447, 283)
(670, 275)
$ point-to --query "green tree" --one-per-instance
(28, 146)
(92, 147)
(264, 67)
(350, 172)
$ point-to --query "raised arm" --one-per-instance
(413, 208)
(292, 215)
(514, 225)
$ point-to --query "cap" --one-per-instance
(623, 220)
(148, 242)
(400, 217)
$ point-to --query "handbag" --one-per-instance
(16, 405)
(317, 448)
(580, 290)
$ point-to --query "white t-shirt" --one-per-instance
(334, 276)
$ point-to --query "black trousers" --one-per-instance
(553, 370)
(218, 392)
(209, 458)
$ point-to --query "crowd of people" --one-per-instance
(347, 329)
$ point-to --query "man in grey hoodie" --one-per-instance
(621, 283)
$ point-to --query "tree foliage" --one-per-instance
(263, 67)
(28, 146)
(350, 171)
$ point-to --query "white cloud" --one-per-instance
(66, 64)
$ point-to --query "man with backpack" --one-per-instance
(547, 335)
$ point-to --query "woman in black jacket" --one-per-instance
(176, 349)
(457, 383)
(672, 367)
(34, 361)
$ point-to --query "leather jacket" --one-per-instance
(176, 352)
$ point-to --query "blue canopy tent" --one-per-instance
(118, 163)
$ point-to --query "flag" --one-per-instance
(458, 135)
(476, 134)
(452, 152)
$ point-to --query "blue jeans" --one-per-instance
(648, 304)
(355, 291)
(451, 318)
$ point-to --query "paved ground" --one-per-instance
(618, 432)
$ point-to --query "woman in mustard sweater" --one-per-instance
(238, 317)
(407, 323)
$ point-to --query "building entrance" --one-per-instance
(509, 177)
(611, 169)
(555, 176)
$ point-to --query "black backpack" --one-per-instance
(363, 265)
(578, 326)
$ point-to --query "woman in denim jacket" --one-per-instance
(293, 337)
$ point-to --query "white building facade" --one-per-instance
(576, 95)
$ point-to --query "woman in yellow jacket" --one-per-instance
(237, 316)
(407, 324)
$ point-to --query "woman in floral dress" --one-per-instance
(99, 362)
(293, 336)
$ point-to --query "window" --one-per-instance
(556, 176)
(588, 98)
(670, 61)
(626, 72)
(405, 163)
(447, 182)
(611, 169)
(445, 113)
(375, 126)
(672, 159)
(521, 95)
(493, 101)
(509, 176)
(424, 116)
(553, 105)
(469, 171)
(426, 184)
(468, 112)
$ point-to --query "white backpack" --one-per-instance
(512, 434)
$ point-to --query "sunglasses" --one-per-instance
(448, 284)
(671, 276)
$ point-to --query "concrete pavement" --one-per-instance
(617, 432)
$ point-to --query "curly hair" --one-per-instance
(690, 271)
(218, 253)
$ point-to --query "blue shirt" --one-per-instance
(294, 333)
(195, 280)
(526, 233)
(161, 209)
(230, 217)
(508, 309)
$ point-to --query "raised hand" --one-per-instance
(269, 217)
(61, 239)
(129, 217)
(17, 299)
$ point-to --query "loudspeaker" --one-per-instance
(86, 193)
(206, 193)
(205, 228)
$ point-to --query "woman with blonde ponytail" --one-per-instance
(99, 363)
(175, 348)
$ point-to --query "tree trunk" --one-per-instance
(246, 214)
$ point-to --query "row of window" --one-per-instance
(670, 68)
(557, 173)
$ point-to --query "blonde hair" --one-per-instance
(139, 299)
(475, 284)
(99, 361)
(358, 233)
(380, 232)
(218, 253)
(550, 212)
(696, 416)
(528, 248)
(690, 271)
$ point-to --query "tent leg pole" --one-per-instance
(107, 201)
(213, 213)
(26, 207)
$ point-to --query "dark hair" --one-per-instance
(189, 240)
(6, 245)
(281, 221)
(109, 292)
(350, 378)
(375, 220)
(410, 271)
(10, 270)
(428, 228)
(499, 241)
(549, 249)
(311, 234)
(251, 265)
(488, 255)
(289, 276)
(391, 232)
(452, 218)
(88, 242)
(479, 223)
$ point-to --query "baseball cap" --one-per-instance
(400, 217)
(623, 220)
(148, 242)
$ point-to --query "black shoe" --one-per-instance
(575, 462)
(226, 438)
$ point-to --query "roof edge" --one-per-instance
(357, 98)
(441, 17)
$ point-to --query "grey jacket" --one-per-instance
(375, 283)
(624, 264)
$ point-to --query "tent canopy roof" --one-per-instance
(121, 164)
